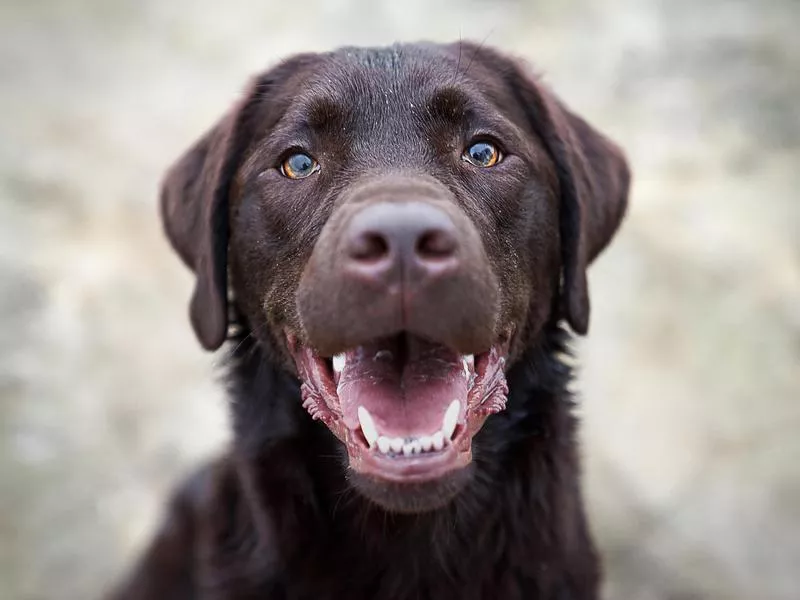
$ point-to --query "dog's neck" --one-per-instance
(524, 497)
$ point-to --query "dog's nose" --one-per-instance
(411, 240)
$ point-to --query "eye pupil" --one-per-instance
(483, 154)
(298, 165)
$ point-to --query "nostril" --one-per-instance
(436, 244)
(369, 247)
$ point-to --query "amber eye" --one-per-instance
(482, 154)
(298, 166)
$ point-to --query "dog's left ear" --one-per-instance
(593, 178)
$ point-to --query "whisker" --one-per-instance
(218, 361)
(478, 49)
(458, 62)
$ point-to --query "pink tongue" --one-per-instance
(406, 387)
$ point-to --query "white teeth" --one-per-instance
(396, 445)
(410, 445)
(339, 362)
(450, 419)
(468, 362)
(367, 426)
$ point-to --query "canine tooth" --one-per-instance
(396, 444)
(437, 440)
(450, 419)
(339, 361)
(384, 444)
(426, 443)
(468, 362)
(367, 426)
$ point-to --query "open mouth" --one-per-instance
(406, 408)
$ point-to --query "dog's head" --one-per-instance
(396, 226)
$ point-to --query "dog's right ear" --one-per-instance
(194, 209)
(194, 203)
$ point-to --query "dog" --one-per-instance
(394, 242)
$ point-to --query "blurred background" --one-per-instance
(691, 374)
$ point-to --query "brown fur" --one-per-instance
(278, 517)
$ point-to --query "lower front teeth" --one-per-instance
(410, 445)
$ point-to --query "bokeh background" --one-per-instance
(691, 374)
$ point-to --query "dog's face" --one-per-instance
(398, 224)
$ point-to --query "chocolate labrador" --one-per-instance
(394, 241)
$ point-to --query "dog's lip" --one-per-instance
(414, 469)
(321, 399)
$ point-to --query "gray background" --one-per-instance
(691, 372)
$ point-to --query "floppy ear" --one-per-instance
(194, 199)
(194, 208)
(593, 178)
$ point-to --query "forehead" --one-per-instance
(374, 87)
(397, 69)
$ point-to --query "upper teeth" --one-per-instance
(383, 355)
(468, 360)
(338, 363)
(413, 444)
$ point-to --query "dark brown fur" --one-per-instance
(278, 517)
